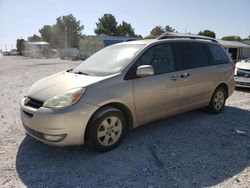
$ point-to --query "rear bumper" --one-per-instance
(242, 81)
(57, 127)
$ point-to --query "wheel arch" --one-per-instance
(225, 87)
(123, 108)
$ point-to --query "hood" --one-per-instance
(242, 65)
(58, 83)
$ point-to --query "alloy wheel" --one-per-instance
(109, 131)
(219, 100)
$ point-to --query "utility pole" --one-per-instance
(66, 37)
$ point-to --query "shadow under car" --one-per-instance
(193, 149)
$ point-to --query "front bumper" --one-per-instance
(60, 127)
(241, 81)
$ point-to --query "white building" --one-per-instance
(239, 50)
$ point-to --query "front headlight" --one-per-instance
(65, 99)
(235, 71)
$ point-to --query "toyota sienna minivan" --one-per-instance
(127, 85)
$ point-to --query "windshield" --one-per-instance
(109, 60)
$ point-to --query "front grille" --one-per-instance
(243, 72)
(33, 103)
(243, 83)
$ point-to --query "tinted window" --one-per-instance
(160, 57)
(218, 54)
(191, 55)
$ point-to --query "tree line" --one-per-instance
(67, 31)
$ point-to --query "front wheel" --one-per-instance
(218, 100)
(106, 129)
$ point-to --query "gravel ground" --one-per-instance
(194, 149)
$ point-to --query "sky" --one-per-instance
(23, 18)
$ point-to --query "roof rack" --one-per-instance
(171, 35)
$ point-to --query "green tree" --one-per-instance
(156, 31)
(34, 38)
(20, 45)
(138, 36)
(46, 33)
(231, 38)
(125, 29)
(66, 28)
(106, 25)
(207, 33)
(169, 29)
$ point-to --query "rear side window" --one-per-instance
(191, 55)
(218, 55)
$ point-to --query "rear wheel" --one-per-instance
(218, 100)
(107, 128)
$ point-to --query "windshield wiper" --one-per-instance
(70, 70)
(83, 73)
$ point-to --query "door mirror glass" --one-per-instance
(144, 71)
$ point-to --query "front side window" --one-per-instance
(191, 55)
(219, 56)
(160, 57)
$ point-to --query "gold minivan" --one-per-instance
(127, 85)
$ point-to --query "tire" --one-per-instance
(218, 101)
(106, 129)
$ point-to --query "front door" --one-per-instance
(157, 96)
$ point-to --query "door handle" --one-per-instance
(185, 75)
(174, 77)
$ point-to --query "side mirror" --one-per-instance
(144, 71)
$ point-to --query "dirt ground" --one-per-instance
(194, 149)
